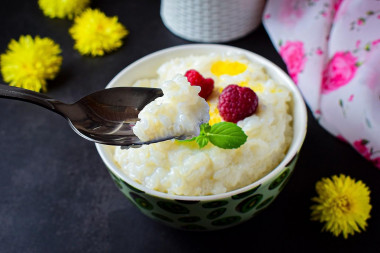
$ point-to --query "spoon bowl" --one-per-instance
(106, 116)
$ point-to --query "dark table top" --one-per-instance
(56, 195)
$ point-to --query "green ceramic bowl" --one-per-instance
(214, 211)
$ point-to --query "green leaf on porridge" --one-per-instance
(205, 128)
(201, 140)
(227, 135)
(224, 135)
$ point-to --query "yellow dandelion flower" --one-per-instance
(342, 204)
(29, 62)
(63, 8)
(95, 33)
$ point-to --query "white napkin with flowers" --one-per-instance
(332, 51)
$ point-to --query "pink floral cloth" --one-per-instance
(332, 51)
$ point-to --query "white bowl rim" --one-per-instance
(296, 144)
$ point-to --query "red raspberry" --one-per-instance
(237, 103)
(196, 79)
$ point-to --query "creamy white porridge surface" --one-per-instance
(183, 168)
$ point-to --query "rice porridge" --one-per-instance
(182, 168)
(179, 112)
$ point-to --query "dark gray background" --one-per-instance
(56, 195)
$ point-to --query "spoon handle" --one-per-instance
(25, 95)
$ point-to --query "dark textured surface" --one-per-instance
(56, 195)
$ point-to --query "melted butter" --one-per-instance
(257, 87)
(219, 68)
(214, 115)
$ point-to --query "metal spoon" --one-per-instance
(106, 116)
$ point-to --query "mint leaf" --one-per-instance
(205, 128)
(226, 135)
(202, 141)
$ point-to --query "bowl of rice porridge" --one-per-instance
(190, 187)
